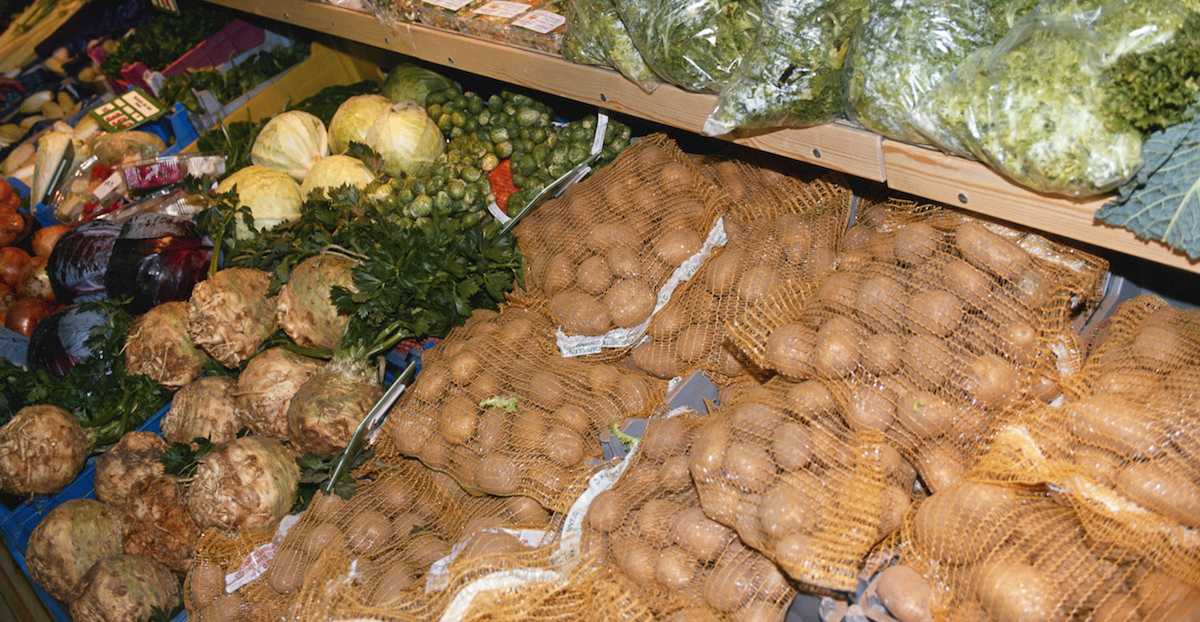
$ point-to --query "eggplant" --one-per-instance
(60, 340)
(157, 258)
(79, 260)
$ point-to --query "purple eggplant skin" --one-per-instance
(157, 258)
(60, 340)
(79, 260)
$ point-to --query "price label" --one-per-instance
(127, 111)
(501, 8)
(542, 22)
(452, 5)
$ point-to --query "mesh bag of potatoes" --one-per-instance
(651, 532)
(783, 469)
(217, 554)
(985, 551)
(504, 416)
(787, 231)
(603, 252)
(1124, 448)
(933, 327)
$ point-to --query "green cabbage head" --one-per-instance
(407, 139)
(349, 124)
(336, 171)
(291, 142)
(272, 196)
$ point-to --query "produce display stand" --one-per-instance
(839, 146)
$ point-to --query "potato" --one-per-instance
(527, 426)
(870, 407)
(965, 521)
(426, 548)
(1116, 424)
(729, 363)
(458, 417)
(785, 510)
(669, 320)
(968, 282)
(548, 387)
(894, 466)
(1164, 597)
(905, 593)
(810, 399)
(606, 235)
(789, 350)
(388, 586)
(564, 446)
(881, 353)
(881, 302)
(409, 431)
(836, 350)
(754, 418)
(1018, 339)
(700, 536)
(893, 505)
(499, 474)
(723, 271)
(748, 467)
(990, 252)
(1015, 591)
(593, 275)
(464, 367)
(675, 568)
(430, 384)
(1172, 494)
(322, 538)
(731, 584)
(286, 572)
(992, 382)
(677, 246)
(607, 511)
(664, 438)
(637, 560)
(205, 581)
(695, 342)
(636, 394)
(917, 242)
(656, 359)
(559, 274)
(757, 283)
(839, 290)
(795, 552)
(654, 521)
(707, 454)
(928, 360)
(580, 314)
(496, 543)
(367, 531)
(938, 312)
(571, 417)
(526, 511)
(941, 466)
(674, 475)
(624, 262)
(629, 303)
(791, 446)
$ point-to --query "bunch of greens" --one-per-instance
(1162, 202)
(1154, 89)
(98, 391)
(902, 48)
(695, 44)
(226, 86)
(597, 36)
(1033, 106)
(792, 74)
(161, 40)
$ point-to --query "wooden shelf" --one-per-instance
(839, 146)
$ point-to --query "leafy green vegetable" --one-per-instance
(695, 44)
(792, 74)
(1162, 202)
(315, 472)
(902, 48)
(161, 40)
(507, 402)
(1154, 89)
(181, 459)
(106, 400)
(1032, 106)
(597, 36)
(227, 86)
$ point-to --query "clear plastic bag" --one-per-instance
(1032, 105)
(597, 36)
(695, 44)
(792, 75)
(902, 48)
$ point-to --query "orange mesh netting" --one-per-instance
(602, 250)
(504, 416)
(787, 231)
(650, 531)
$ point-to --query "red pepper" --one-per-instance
(502, 184)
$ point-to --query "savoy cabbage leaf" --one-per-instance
(1162, 202)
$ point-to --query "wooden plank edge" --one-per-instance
(835, 146)
(972, 186)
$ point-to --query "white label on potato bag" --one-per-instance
(542, 22)
(572, 531)
(257, 562)
(501, 8)
(452, 5)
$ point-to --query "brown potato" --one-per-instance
(917, 242)
(656, 359)
(722, 272)
(905, 593)
(789, 349)
(629, 303)
(700, 536)
(836, 351)
(677, 246)
(992, 382)
(757, 283)
(593, 275)
(938, 312)
(580, 313)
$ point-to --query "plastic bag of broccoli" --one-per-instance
(695, 44)
(792, 75)
(902, 48)
(1033, 105)
(597, 36)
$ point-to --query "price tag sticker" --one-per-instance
(543, 22)
(452, 5)
(108, 186)
(127, 111)
(502, 8)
